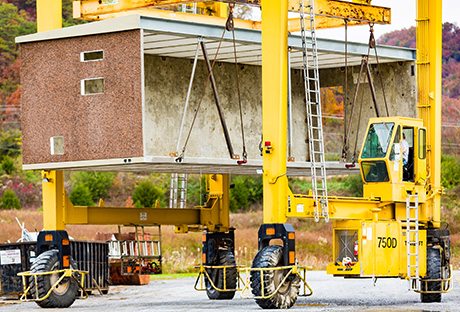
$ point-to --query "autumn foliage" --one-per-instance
(450, 79)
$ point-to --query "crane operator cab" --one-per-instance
(393, 158)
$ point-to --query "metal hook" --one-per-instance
(230, 24)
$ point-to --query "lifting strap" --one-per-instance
(180, 156)
(229, 26)
(345, 98)
(364, 66)
(228, 141)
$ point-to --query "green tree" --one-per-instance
(98, 183)
(9, 200)
(246, 191)
(146, 194)
(8, 165)
(13, 23)
(10, 143)
(81, 195)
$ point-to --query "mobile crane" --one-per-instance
(394, 230)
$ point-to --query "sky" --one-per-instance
(402, 16)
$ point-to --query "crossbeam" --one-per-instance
(330, 13)
(214, 215)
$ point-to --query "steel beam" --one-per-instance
(330, 13)
(348, 10)
(214, 215)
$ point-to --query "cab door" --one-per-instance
(420, 156)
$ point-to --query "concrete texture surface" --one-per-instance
(167, 79)
(330, 294)
(399, 87)
(98, 126)
(140, 112)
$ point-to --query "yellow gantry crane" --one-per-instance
(394, 230)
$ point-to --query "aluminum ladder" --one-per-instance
(178, 190)
(313, 105)
(412, 241)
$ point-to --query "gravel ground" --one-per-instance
(330, 294)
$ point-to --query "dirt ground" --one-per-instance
(330, 294)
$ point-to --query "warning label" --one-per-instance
(12, 256)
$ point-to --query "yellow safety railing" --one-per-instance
(446, 284)
(66, 273)
(243, 279)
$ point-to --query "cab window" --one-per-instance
(407, 153)
(377, 140)
(422, 143)
(375, 171)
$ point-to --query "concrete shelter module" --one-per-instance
(110, 95)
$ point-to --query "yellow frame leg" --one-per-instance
(49, 15)
(53, 200)
(274, 109)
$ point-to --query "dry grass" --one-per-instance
(181, 252)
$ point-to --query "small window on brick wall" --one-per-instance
(92, 86)
(91, 56)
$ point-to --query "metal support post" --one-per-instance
(274, 129)
(53, 195)
(429, 66)
(274, 110)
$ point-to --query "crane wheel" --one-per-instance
(64, 295)
(225, 258)
(271, 257)
(433, 271)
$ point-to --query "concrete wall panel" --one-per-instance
(100, 126)
(166, 82)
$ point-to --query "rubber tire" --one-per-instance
(227, 258)
(45, 262)
(433, 271)
(270, 257)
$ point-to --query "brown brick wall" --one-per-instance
(101, 126)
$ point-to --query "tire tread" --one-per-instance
(267, 257)
(44, 263)
(433, 271)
